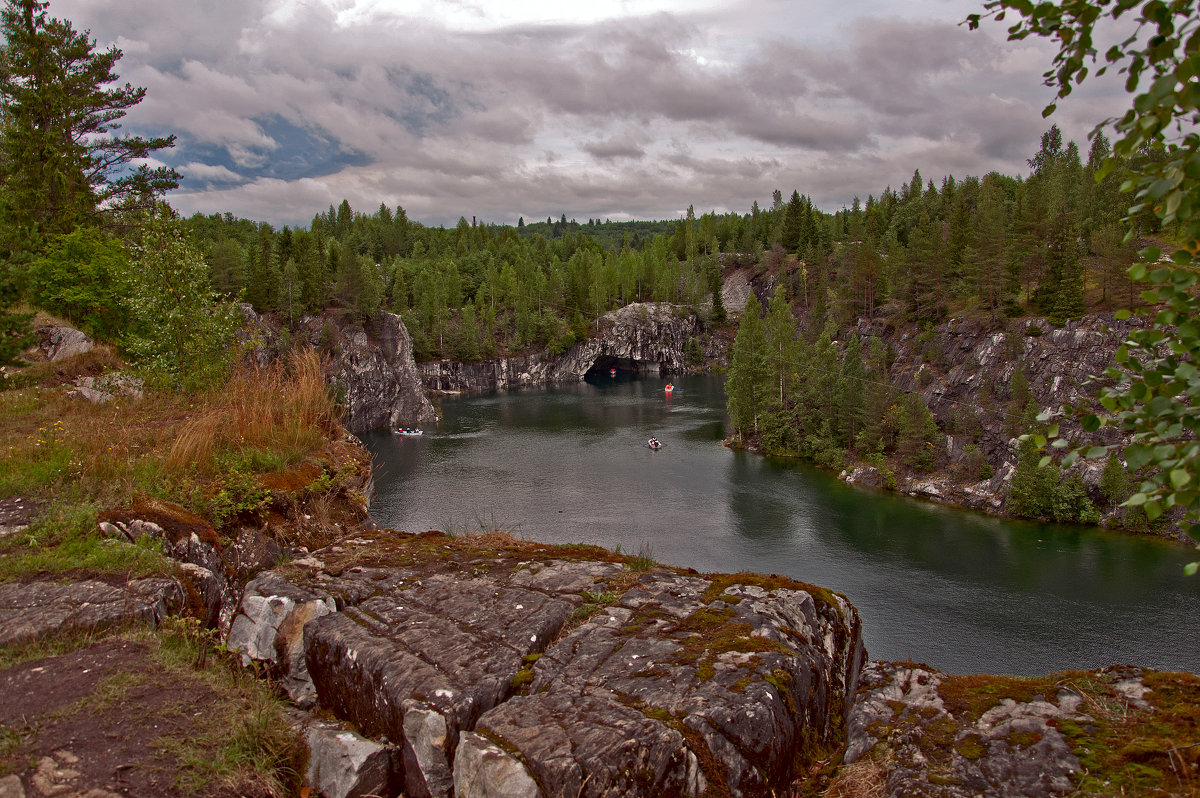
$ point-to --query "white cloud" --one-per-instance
(618, 108)
(209, 173)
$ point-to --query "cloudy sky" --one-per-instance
(621, 109)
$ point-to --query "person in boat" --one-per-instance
(654, 443)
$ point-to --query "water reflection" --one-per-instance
(959, 590)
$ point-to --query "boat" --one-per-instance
(669, 388)
(654, 443)
(410, 431)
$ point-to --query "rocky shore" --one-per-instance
(422, 664)
(481, 666)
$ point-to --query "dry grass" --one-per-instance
(285, 408)
(865, 778)
(206, 452)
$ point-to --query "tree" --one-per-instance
(182, 335)
(1157, 382)
(780, 329)
(749, 370)
(60, 162)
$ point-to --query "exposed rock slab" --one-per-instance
(676, 689)
(660, 682)
(59, 343)
(937, 749)
(269, 628)
(344, 764)
(39, 609)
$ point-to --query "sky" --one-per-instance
(610, 109)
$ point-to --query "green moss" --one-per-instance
(1023, 739)
(722, 582)
(521, 678)
(782, 680)
(970, 747)
(940, 733)
(645, 615)
(1122, 749)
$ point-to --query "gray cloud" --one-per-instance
(283, 108)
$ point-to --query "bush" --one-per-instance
(82, 277)
(1115, 483)
(973, 466)
(777, 432)
(1043, 493)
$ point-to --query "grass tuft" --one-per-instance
(262, 419)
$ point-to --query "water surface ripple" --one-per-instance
(960, 591)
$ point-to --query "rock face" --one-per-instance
(932, 734)
(372, 365)
(964, 372)
(60, 343)
(375, 370)
(646, 338)
(504, 669)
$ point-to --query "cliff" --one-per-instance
(371, 364)
(964, 371)
(642, 338)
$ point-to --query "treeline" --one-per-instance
(466, 292)
(1051, 243)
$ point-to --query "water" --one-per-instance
(960, 591)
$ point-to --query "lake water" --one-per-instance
(960, 591)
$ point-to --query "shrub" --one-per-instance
(1115, 483)
(1043, 493)
(83, 277)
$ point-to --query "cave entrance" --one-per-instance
(623, 366)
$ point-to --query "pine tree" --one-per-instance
(926, 272)
(917, 434)
(749, 372)
(792, 234)
(61, 166)
(851, 402)
(780, 330)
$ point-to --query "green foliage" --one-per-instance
(240, 495)
(82, 277)
(1157, 383)
(182, 335)
(919, 443)
(973, 466)
(1042, 492)
(61, 164)
(1115, 482)
(749, 369)
(15, 335)
(64, 540)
